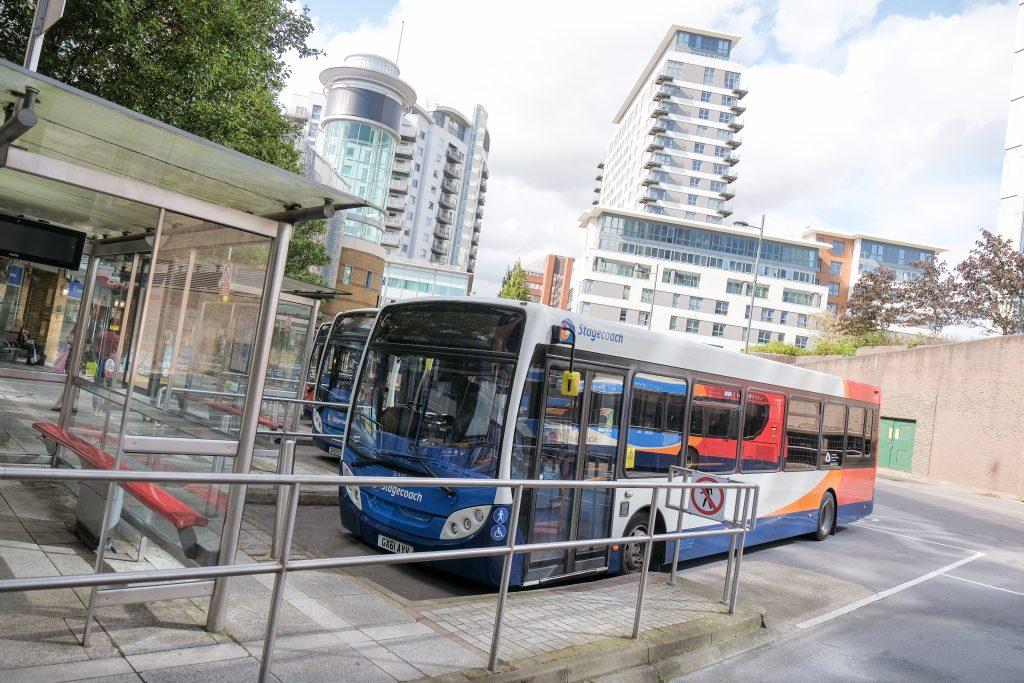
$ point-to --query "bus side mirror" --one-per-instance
(570, 383)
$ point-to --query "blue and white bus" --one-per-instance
(475, 388)
(336, 355)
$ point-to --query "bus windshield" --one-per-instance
(428, 414)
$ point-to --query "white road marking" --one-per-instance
(986, 585)
(968, 501)
(915, 538)
(886, 593)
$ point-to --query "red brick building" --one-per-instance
(549, 280)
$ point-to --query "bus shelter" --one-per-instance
(161, 350)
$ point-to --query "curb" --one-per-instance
(268, 496)
(611, 655)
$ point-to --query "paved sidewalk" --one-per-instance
(333, 626)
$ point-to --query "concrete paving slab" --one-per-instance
(435, 654)
(338, 663)
(238, 670)
(318, 584)
(391, 631)
(71, 671)
(366, 610)
(388, 661)
(155, 627)
(190, 655)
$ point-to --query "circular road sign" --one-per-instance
(707, 501)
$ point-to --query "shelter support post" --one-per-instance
(250, 421)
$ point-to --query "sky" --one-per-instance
(884, 117)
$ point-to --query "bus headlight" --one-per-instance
(352, 491)
(465, 522)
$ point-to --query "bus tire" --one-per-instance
(826, 517)
(632, 560)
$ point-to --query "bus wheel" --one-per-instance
(633, 553)
(826, 517)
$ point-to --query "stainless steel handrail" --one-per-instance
(736, 528)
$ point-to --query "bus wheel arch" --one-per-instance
(828, 514)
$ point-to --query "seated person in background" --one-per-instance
(25, 341)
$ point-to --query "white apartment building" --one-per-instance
(684, 276)
(675, 148)
(1010, 221)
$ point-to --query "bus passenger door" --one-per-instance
(561, 514)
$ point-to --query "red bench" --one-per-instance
(154, 497)
(267, 422)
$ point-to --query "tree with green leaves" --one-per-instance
(513, 286)
(991, 286)
(209, 67)
(929, 300)
(876, 302)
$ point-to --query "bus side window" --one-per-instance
(526, 437)
(833, 431)
(762, 432)
(656, 416)
(869, 439)
(802, 423)
(855, 437)
(714, 428)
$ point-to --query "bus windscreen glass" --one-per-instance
(458, 326)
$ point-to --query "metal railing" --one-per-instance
(742, 521)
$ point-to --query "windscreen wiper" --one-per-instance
(401, 467)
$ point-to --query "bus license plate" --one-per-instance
(335, 450)
(393, 546)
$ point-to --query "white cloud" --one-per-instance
(898, 130)
(806, 28)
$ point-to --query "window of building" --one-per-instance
(368, 283)
(678, 277)
(833, 288)
(746, 312)
(709, 76)
(702, 130)
(643, 317)
(832, 308)
(732, 80)
(728, 100)
(584, 307)
(801, 342)
(783, 317)
(692, 326)
(833, 433)
(793, 296)
(705, 96)
(720, 152)
(430, 205)
(781, 336)
(719, 169)
(767, 315)
(612, 267)
(689, 215)
(716, 186)
(691, 199)
(698, 148)
(647, 296)
(695, 303)
(695, 165)
(763, 336)
(763, 416)
(802, 423)
(838, 247)
(724, 117)
(801, 320)
(715, 422)
(694, 182)
(703, 114)
(722, 308)
(622, 315)
(346, 275)
(835, 268)
(734, 287)
(717, 330)
(658, 404)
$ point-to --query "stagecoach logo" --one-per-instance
(567, 335)
(398, 492)
(593, 334)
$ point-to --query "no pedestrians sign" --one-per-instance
(706, 501)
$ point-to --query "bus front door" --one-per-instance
(579, 441)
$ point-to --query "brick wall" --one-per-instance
(966, 401)
(361, 257)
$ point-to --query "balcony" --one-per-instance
(477, 225)
(650, 196)
(735, 126)
(391, 239)
(663, 92)
(737, 109)
(450, 186)
(446, 200)
(727, 194)
(476, 238)
(653, 178)
(399, 186)
(724, 211)
(483, 185)
(600, 164)
(452, 171)
(405, 150)
(439, 248)
(732, 158)
(395, 203)
(729, 176)
(659, 109)
(472, 253)
(656, 143)
(739, 92)
(393, 223)
(408, 134)
(454, 154)
(441, 232)
(484, 173)
(653, 162)
(734, 142)
(445, 216)
(481, 200)
(594, 201)
(479, 212)
(402, 167)
(658, 126)
(599, 177)
(663, 77)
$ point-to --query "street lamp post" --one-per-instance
(757, 265)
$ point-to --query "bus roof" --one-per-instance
(635, 343)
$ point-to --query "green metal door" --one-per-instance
(896, 443)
